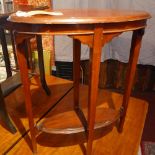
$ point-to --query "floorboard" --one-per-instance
(113, 143)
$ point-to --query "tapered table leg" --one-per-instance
(41, 64)
(26, 86)
(134, 53)
(76, 71)
(95, 57)
(76, 79)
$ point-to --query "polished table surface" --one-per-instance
(83, 16)
(94, 28)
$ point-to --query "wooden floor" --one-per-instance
(113, 143)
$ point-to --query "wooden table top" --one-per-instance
(83, 16)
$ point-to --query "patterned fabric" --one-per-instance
(48, 46)
(40, 2)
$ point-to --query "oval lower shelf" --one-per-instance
(69, 122)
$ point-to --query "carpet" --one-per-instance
(148, 148)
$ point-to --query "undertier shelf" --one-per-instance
(70, 122)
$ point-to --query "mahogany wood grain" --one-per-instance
(26, 86)
(76, 70)
(72, 29)
(104, 118)
(95, 57)
(112, 143)
(82, 16)
(101, 26)
(88, 39)
(134, 53)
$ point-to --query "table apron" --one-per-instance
(75, 29)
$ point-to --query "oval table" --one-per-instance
(94, 28)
